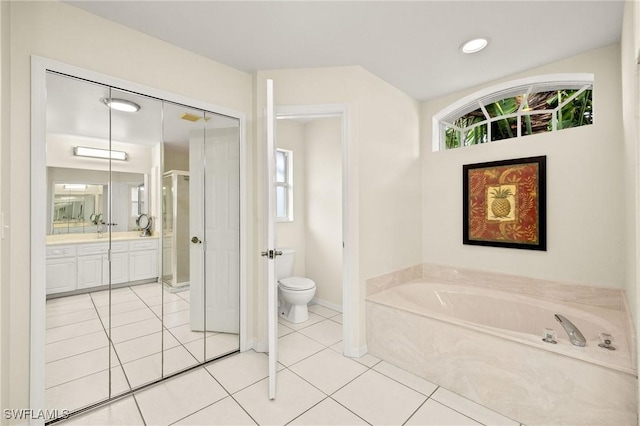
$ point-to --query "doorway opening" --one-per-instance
(312, 216)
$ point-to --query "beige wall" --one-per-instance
(323, 205)
(291, 136)
(383, 154)
(67, 34)
(5, 116)
(586, 200)
(629, 45)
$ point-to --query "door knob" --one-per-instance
(196, 240)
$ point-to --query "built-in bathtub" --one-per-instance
(486, 345)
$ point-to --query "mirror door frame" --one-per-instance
(39, 68)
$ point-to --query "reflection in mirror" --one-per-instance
(221, 284)
(177, 250)
(79, 202)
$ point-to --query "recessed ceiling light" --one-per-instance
(475, 45)
(120, 104)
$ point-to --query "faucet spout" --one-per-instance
(575, 336)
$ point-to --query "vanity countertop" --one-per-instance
(93, 238)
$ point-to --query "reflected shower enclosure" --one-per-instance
(175, 232)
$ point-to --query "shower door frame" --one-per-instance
(39, 68)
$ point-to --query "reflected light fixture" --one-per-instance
(120, 104)
(75, 186)
(475, 45)
(83, 151)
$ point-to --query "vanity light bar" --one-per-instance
(82, 151)
(75, 186)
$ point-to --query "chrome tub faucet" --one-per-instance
(575, 336)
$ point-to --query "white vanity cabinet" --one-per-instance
(143, 259)
(61, 269)
(86, 265)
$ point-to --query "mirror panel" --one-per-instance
(77, 352)
(222, 231)
(136, 307)
(182, 317)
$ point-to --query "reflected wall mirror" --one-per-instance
(127, 298)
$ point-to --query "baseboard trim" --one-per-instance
(326, 304)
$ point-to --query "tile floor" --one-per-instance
(77, 348)
(316, 386)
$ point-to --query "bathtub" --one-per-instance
(486, 345)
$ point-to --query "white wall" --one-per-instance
(323, 201)
(586, 199)
(67, 34)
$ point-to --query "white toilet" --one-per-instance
(293, 292)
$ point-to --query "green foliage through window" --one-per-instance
(523, 114)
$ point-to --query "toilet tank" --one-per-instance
(285, 262)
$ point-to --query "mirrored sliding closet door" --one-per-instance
(143, 244)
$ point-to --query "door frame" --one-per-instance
(350, 282)
(39, 68)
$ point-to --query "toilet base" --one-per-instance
(293, 313)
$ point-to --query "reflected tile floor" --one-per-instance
(317, 385)
(78, 365)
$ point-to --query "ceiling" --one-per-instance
(413, 45)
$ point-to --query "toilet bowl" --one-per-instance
(294, 293)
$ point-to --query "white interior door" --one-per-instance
(214, 222)
(269, 254)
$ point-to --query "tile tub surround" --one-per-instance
(536, 386)
(553, 290)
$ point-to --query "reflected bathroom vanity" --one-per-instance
(80, 262)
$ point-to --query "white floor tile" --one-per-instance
(184, 334)
(71, 318)
(175, 319)
(337, 318)
(76, 346)
(179, 397)
(313, 318)
(130, 317)
(241, 370)
(328, 371)
(141, 347)
(432, 413)
(123, 412)
(85, 390)
(414, 382)
(221, 344)
(325, 332)
(69, 331)
(59, 301)
(295, 347)
(226, 412)
(283, 330)
(160, 299)
(136, 329)
(77, 366)
(323, 311)
(368, 360)
(118, 308)
(67, 308)
(148, 369)
(378, 399)
(471, 409)
(328, 413)
(294, 397)
(170, 307)
(338, 347)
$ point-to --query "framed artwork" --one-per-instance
(504, 203)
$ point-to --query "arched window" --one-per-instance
(517, 108)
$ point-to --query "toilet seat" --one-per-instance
(296, 283)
